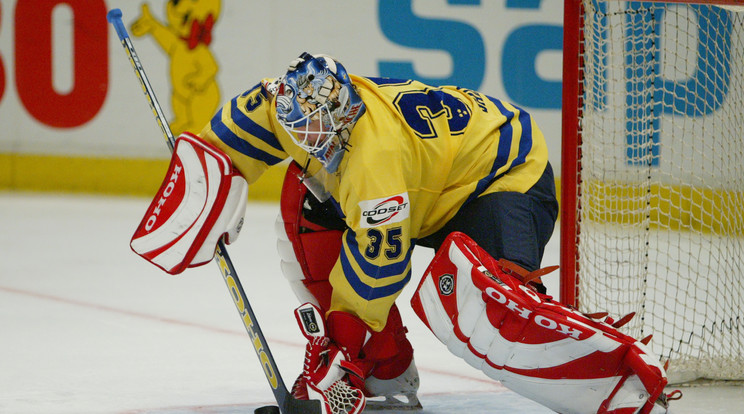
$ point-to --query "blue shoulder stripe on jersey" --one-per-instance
(250, 126)
(505, 142)
(238, 144)
(525, 141)
(389, 81)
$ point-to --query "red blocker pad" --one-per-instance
(535, 346)
(201, 199)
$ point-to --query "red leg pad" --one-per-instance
(316, 248)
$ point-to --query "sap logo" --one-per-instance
(384, 210)
(540, 320)
(167, 191)
(401, 25)
(525, 77)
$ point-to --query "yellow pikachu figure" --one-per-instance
(193, 69)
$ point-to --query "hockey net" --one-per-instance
(653, 175)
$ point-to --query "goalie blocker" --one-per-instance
(202, 199)
(535, 346)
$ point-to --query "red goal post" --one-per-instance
(652, 175)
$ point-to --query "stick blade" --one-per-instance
(267, 409)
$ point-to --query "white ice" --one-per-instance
(86, 326)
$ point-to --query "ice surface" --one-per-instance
(86, 326)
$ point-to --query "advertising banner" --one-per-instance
(74, 118)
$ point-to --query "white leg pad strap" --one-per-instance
(535, 346)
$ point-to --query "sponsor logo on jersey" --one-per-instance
(383, 211)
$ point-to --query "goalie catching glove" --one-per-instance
(201, 199)
(330, 374)
(535, 346)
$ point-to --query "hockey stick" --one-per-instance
(287, 403)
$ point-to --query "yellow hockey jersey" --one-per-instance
(416, 156)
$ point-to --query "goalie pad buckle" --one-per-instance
(535, 346)
(201, 199)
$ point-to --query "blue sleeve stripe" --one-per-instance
(502, 156)
(525, 141)
(377, 272)
(238, 144)
(368, 292)
(374, 271)
(248, 125)
(505, 142)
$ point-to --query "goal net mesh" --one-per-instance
(661, 188)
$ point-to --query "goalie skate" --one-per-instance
(394, 394)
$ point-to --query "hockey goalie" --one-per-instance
(488, 313)
(378, 167)
(483, 310)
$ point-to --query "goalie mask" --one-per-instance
(317, 105)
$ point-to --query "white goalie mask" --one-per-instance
(317, 105)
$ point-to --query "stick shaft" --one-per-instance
(114, 17)
(287, 403)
